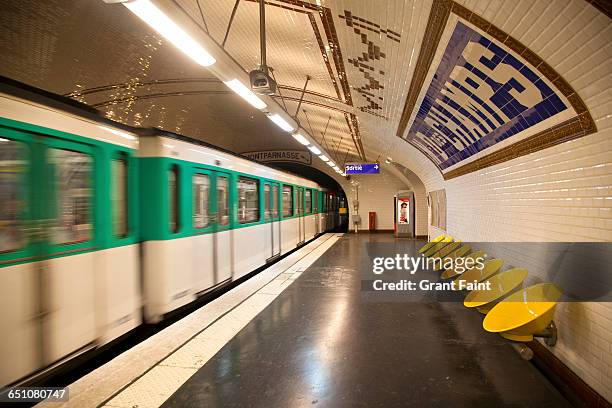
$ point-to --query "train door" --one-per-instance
(21, 313)
(301, 218)
(222, 242)
(271, 199)
(68, 282)
(204, 225)
(315, 210)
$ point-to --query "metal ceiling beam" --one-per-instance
(301, 97)
(229, 25)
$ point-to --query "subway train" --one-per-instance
(104, 227)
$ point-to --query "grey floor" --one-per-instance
(321, 343)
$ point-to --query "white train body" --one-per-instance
(82, 247)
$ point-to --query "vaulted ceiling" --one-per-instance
(370, 66)
(356, 54)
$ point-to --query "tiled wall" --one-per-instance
(558, 194)
(563, 193)
(375, 194)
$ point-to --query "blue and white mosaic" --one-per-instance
(479, 96)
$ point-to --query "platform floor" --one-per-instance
(319, 344)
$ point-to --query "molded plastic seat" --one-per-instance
(431, 243)
(447, 249)
(490, 268)
(501, 285)
(449, 273)
(457, 253)
(524, 313)
(438, 246)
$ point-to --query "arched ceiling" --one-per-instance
(385, 77)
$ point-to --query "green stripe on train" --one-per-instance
(147, 195)
(155, 200)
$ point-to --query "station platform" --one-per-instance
(299, 334)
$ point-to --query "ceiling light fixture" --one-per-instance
(281, 123)
(331, 163)
(157, 20)
(389, 160)
(300, 138)
(245, 93)
(324, 158)
(314, 149)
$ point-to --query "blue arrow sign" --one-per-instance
(365, 168)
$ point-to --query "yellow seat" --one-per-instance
(524, 313)
(449, 273)
(447, 249)
(457, 253)
(500, 285)
(431, 243)
(438, 246)
(490, 268)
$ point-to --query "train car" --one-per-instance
(104, 226)
(212, 217)
(69, 263)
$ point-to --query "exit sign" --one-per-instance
(365, 168)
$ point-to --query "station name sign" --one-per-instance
(364, 168)
(295, 156)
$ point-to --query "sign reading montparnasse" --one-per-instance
(294, 156)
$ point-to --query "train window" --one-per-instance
(173, 211)
(201, 191)
(72, 172)
(222, 200)
(275, 201)
(248, 200)
(267, 201)
(119, 200)
(287, 201)
(300, 201)
(315, 196)
(308, 201)
(13, 159)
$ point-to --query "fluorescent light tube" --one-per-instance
(331, 163)
(324, 158)
(281, 123)
(245, 93)
(314, 149)
(301, 139)
(157, 20)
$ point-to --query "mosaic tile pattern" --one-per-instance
(480, 95)
(367, 31)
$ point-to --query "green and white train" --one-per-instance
(103, 226)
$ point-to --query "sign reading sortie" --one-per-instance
(365, 168)
(295, 156)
